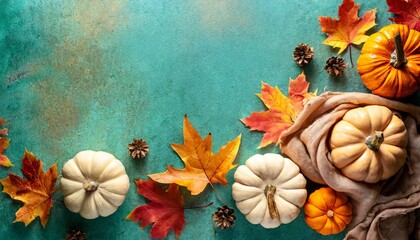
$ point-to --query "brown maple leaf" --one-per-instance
(282, 111)
(348, 29)
(4, 143)
(406, 12)
(165, 210)
(201, 165)
(35, 191)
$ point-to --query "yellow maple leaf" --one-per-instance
(201, 165)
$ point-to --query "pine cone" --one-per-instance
(138, 148)
(75, 234)
(224, 217)
(303, 54)
(335, 66)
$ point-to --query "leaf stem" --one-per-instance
(58, 201)
(351, 57)
(198, 207)
(217, 194)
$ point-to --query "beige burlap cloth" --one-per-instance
(386, 210)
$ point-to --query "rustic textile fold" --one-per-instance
(380, 211)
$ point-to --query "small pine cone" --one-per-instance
(303, 54)
(335, 66)
(75, 234)
(138, 148)
(224, 217)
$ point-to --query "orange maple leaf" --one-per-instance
(298, 92)
(35, 191)
(349, 28)
(165, 210)
(4, 143)
(201, 165)
(282, 111)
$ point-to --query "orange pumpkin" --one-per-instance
(389, 63)
(327, 211)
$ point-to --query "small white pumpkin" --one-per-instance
(269, 190)
(94, 184)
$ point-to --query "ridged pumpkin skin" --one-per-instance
(375, 69)
(353, 153)
(327, 211)
(259, 174)
(94, 184)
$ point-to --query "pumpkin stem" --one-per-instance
(90, 186)
(270, 191)
(330, 213)
(397, 57)
(375, 141)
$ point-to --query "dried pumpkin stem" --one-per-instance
(374, 142)
(270, 191)
(90, 186)
(330, 213)
(397, 57)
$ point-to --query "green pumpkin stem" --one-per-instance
(397, 57)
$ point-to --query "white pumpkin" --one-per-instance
(269, 190)
(94, 184)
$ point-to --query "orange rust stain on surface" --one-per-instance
(57, 115)
(79, 67)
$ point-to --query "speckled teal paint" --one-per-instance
(78, 75)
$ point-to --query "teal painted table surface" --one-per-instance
(77, 75)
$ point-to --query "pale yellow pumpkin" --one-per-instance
(94, 184)
(369, 144)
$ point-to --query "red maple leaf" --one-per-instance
(405, 12)
(165, 211)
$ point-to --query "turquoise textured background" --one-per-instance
(78, 75)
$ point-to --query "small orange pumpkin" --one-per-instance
(389, 63)
(327, 211)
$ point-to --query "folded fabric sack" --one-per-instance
(383, 210)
